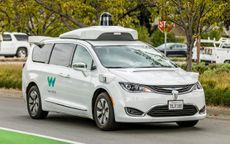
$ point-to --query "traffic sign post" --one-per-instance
(165, 28)
(165, 42)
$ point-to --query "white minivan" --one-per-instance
(104, 73)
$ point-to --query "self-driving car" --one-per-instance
(106, 74)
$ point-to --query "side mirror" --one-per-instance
(79, 65)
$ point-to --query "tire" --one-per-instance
(187, 123)
(21, 53)
(103, 112)
(34, 105)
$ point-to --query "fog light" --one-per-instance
(133, 111)
(202, 110)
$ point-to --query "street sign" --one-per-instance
(163, 26)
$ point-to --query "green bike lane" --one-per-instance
(10, 136)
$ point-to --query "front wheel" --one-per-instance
(103, 112)
(34, 104)
(187, 123)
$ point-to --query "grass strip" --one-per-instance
(8, 137)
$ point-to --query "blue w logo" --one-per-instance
(51, 81)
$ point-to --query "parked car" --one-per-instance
(212, 51)
(14, 44)
(173, 49)
(104, 73)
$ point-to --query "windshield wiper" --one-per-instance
(154, 67)
(148, 67)
(116, 67)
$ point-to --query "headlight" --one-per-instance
(133, 87)
(197, 86)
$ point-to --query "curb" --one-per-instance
(217, 112)
(12, 93)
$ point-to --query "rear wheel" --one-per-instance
(21, 53)
(103, 112)
(187, 123)
(34, 104)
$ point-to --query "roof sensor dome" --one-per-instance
(106, 19)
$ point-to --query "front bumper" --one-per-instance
(146, 101)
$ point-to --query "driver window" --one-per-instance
(81, 55)
(172, 46)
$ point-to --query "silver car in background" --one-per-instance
(173, 49)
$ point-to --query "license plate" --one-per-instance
(175, 105)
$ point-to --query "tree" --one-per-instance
(193, 16)
(29, 17)
(45, 17)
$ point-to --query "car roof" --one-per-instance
(15, 33)
(95, 43)
(169, 44)
(104, 43)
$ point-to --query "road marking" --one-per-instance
(42, 136)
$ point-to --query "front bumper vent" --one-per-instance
(163, 111)
(133, 112)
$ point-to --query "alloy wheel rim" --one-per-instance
(102, 111)
(33, 102)
(22, 53)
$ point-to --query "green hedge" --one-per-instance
(10, 76)
(215, 79)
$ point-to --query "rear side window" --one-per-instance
(62, 54)
(21, 37)
(6, 37)
(42, 54)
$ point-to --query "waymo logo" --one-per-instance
(51, 81)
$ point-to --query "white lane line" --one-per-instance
(42, 136)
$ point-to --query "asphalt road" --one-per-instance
(13, 115)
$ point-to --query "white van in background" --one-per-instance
(212, 51)
(14, 44)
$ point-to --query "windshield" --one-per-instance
(128, 56)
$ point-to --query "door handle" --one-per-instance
(64, 75)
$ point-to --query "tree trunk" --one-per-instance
(189, 52)
(189, 57)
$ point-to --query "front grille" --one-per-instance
(168, 89)
(163, 111)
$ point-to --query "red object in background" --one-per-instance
(163, 26)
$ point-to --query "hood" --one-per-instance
(156, 76)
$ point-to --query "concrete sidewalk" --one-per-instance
(214, 112)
